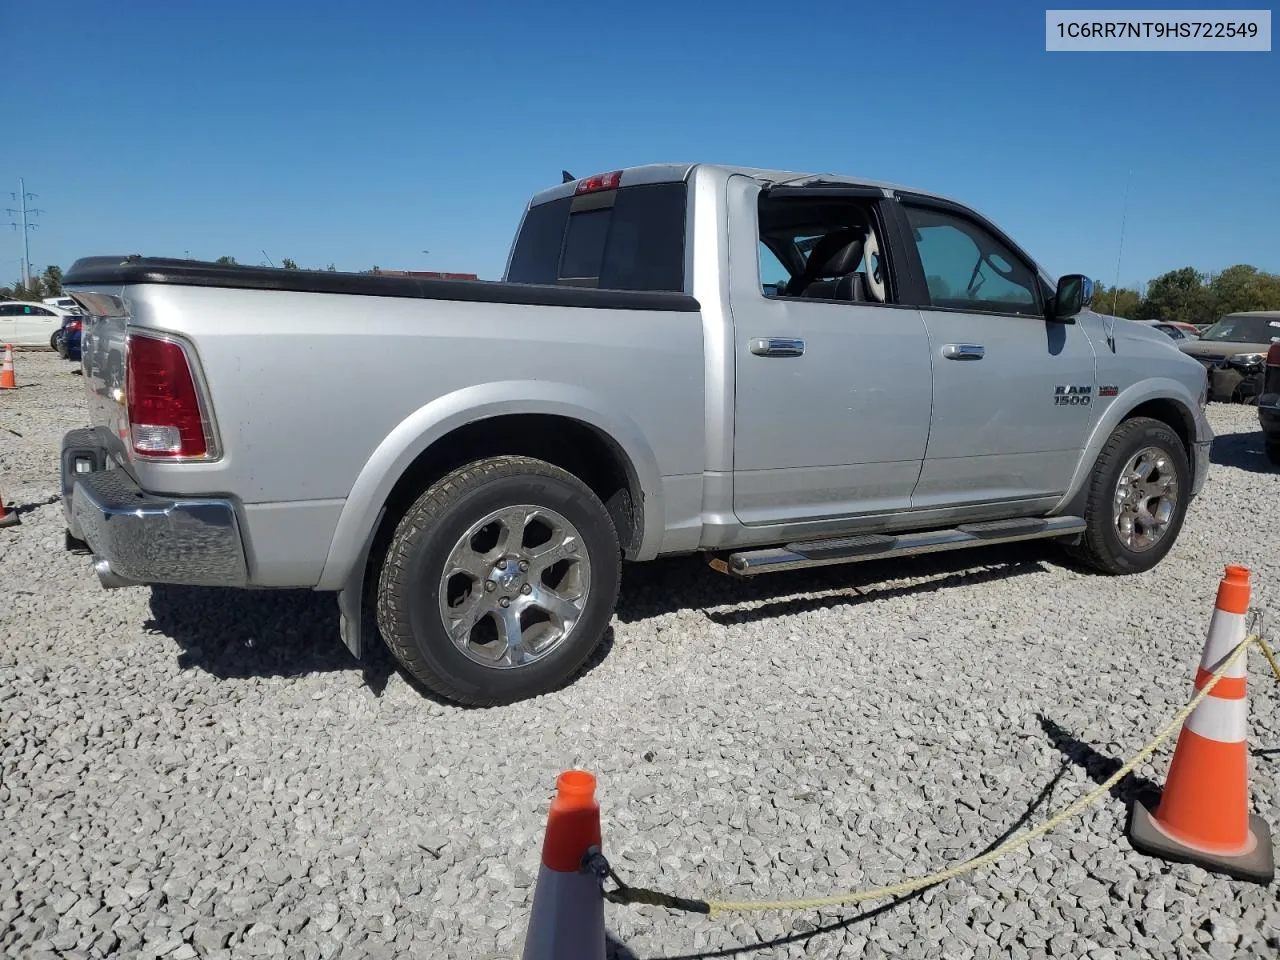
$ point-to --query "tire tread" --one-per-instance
(430, 509)
(1094, 550)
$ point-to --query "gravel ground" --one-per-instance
(190, 772)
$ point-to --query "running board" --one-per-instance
(875, 546)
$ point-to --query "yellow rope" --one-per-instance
(968, 866)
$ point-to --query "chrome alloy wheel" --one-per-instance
(1146, 499)
(514, 586)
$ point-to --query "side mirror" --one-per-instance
(1075, 292)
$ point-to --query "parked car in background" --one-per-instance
(67, 339)
(1269, 404)
(1234, 351)
(26, 324)
(66, 303)
(1171, 330)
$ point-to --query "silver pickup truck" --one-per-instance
(770, 369)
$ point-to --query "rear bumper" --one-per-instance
(137, 537)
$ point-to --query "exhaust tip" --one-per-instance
(109, 578)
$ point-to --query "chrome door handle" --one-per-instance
(777, 346)
(964, 351)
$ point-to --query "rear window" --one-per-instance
(631, 238)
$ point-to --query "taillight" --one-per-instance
(601, 181)
(74, 324)
(1273, 355)
(165, 417)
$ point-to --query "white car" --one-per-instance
(24, 324)
(66, 303)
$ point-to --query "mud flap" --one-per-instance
(351, 596)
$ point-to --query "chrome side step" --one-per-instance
(821, 553)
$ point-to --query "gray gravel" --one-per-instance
(203, 773)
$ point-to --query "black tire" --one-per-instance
(1273, 451)
(1100, 547)
(408, 591)
(53, 341)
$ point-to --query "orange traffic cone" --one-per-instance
(7, 380)
(567, 921)
(8, 518)
(1203, 816)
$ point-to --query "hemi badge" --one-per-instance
(1108, 391)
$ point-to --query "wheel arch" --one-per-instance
(1164, 400)
(557, 422)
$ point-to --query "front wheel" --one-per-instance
(1137, 499)
(500, 581)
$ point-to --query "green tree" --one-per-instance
(226, 260)
(1179, 295)
(1116, 301)
(288, 264)
(51, 280)
(1245, 287)
(35, 291)
(331, 268)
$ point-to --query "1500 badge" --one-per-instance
(1065, 395)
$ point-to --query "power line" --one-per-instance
(21, 196)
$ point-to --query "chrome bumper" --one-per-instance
(137, 537)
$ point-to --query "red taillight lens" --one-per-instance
(165, 419)
(74, 324)
(601, 181)
(1273, 355)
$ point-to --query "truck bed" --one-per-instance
(129, 270)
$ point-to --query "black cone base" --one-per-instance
(1257, 867)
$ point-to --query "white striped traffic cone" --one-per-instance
(567, 921)
(1203, 816)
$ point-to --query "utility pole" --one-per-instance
(21, 196)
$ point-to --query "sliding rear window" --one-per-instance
(630, 238)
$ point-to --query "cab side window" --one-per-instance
(822, 249)
(968, 269)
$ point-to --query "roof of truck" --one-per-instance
(665, 172)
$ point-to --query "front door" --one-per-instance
(1013, 393)
(831, 410)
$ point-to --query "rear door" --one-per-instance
(833, 387)
(1013, 393)
(35, 324)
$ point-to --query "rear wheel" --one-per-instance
(500, 581)
(1137, 499)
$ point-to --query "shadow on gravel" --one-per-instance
(806, 930)
(667, 586)
(1099, 766)
(237, 634)
(1244, 451)
(37, 504)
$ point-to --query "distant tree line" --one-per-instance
(1190, 296)
(47, 284)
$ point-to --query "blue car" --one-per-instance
(66, 339)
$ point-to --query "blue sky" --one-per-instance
(366, 133)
